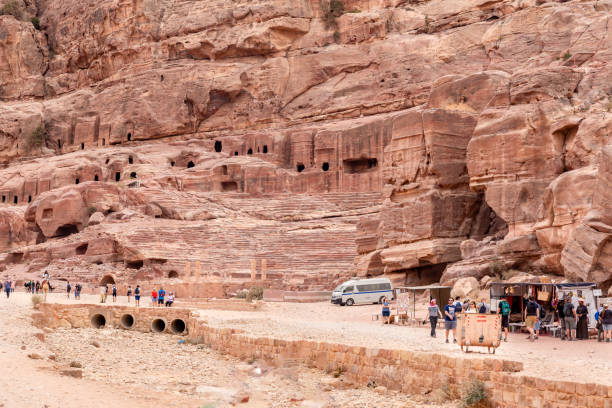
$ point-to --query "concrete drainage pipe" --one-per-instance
(158, 325)
(178, 326)
(127, 321)
(98, 321)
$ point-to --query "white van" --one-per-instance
(362, 291)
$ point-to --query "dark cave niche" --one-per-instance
(82, 249)
(362, 165)
(134, 264)
(66, 230)
(228, 186)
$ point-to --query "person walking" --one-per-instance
(570, 318)
(68, 289)
(137, 295)
(129, 293)
(561, 317)
(154, 297)
(7, 288)
(606, 321)
(599, 325)
(458, 305)
(170, 300)
(450, 320)
(503, 308)
(102, 293)
(37, 287)
(538, 324)
(433, 315)
(386, 311)
(582, 327)
(532, 313)
(114, 293)
(161, 294)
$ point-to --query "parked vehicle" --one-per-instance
(361, 291)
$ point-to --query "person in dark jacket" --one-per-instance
(561, 317)
(606, 321)
(582, 327)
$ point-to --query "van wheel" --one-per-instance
(350, 302)
(381, 299)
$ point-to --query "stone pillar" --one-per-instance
(197, 271)
(187, 270)
(253, 269)
(264, 267)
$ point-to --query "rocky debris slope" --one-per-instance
(449, 139)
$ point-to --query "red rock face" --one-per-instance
(429, 141)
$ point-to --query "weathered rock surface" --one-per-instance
(426, 140)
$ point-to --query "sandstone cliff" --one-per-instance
(428, 140)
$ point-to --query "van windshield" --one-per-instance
(338, 289)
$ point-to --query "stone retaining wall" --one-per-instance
(80, 316)
(403, 370)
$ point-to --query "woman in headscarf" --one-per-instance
(433, 313)
(582, 327)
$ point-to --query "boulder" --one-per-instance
(96, 218)
(466, 287)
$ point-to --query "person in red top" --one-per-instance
(154, 297)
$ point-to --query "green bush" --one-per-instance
(474, 395)
(12, 8)
(242, 294)
(255, 293)
(37, 137)
(35, 22)
(567, 56)
(330, 11)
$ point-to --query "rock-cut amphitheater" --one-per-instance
(208, 145)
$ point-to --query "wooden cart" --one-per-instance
(479, 330)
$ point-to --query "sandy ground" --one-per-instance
(582, 361)
(130, 369)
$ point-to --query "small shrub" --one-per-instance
(567, 56)
(336, 36)
(609, 107)
(12, 8)
(338, 371)
(242, 294)
(330, 11)
(427, 25)
(35, 22)
(37, 137)
(91, 210)
(36, 300)
(255, 293)
(474, 395)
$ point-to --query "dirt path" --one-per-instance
(131, 369)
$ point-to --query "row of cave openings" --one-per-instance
(350, 167)
(59, 142)
(15, 199)
(128, 321)
(133, 174)
(353, 166)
